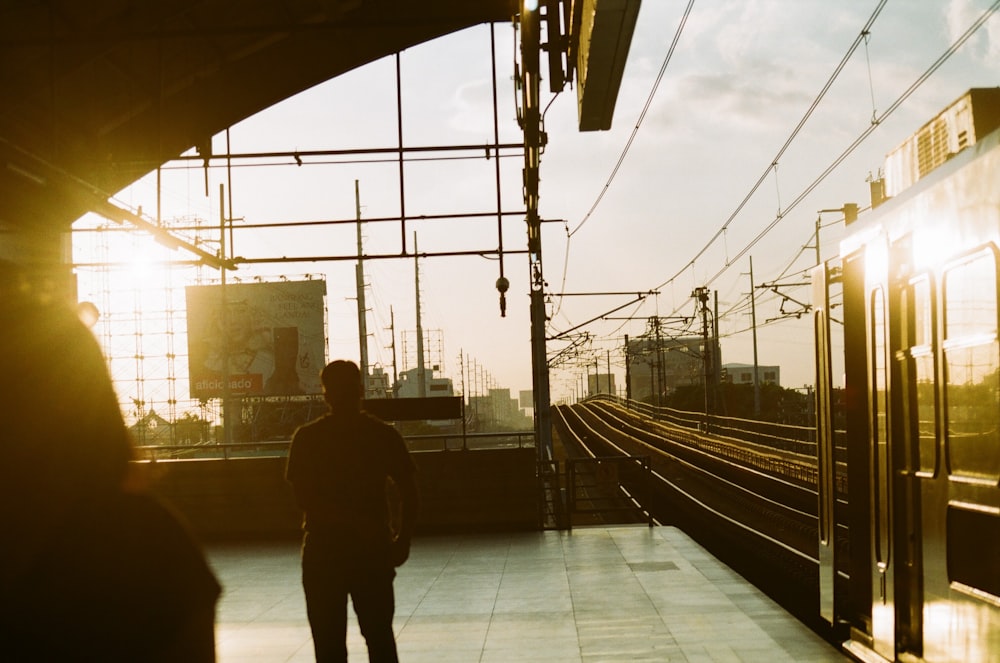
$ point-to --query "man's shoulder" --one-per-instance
(376, 425)
(312, 428)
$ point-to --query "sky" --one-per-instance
(679, 209)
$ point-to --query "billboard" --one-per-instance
(267, 339)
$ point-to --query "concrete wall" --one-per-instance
(472, 490)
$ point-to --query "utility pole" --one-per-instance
(421, 377)
(850, 212)
(465, 394)
(753, 326)
(659, 363)
(395, 372)
(720, 404)
(628, 373)
(701, 295)
(359, 274)
(227, 393)
(531, 126)
(610, 390)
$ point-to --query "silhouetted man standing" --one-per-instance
(354, 479)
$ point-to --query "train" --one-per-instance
(909, 489)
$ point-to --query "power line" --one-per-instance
(631, 139)
(795, 132)
(642, 115)
(866, 133)
(847, 152)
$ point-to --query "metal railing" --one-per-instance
(278, 448)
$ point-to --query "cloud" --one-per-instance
(983, 46)
(469, 105)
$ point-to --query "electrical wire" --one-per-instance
(642, 115)
(850, 149)
(628, 143)
(795, 132)
(867, 132)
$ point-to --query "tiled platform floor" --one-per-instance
(625, 593)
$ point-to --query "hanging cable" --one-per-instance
(795, 132)
(864, 135)
(642, 115)
(871, 83)
(628, 144)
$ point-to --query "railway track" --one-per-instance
(752, 506)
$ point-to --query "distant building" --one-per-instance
(660, 365)
(601, 383)
(743, 374)
(409, 385)
(378, 384)
(504, 407)
(152, 429)
(497, 410)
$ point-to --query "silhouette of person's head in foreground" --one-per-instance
(91, 568)
(342, 386)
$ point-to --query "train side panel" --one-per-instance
(922, 379)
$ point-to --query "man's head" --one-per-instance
(342, 384)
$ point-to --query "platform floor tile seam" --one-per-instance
(591, 595)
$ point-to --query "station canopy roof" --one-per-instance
(94, 95)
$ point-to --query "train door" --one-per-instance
(916, 415)
(825, 456)
(880, 451)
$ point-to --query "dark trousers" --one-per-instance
(331, 573)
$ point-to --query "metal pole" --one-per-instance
(628, 373)
(753, 326)
(702, 296)
(610, 390)
(421, 377)
(399, 132)
(359, 275)
(227, 417)
(531, 127)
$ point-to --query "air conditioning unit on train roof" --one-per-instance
(972, 116)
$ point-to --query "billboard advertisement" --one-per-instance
(266, 339)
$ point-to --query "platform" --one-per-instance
(627, 593)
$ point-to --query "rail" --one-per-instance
(785, 437)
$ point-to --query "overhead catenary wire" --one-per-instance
(628, 143)
(642, 116)
(772, 164)
(866, 133)
(847, 151)
(721, 232)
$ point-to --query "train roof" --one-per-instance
(968, 172)
(960, 125)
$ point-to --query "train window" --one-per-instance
(923, 367)
(920, 304)
(972, 365)
(919, 337)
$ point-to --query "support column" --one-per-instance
(531, 126)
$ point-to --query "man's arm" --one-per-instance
(294, 472)
(404, 476)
